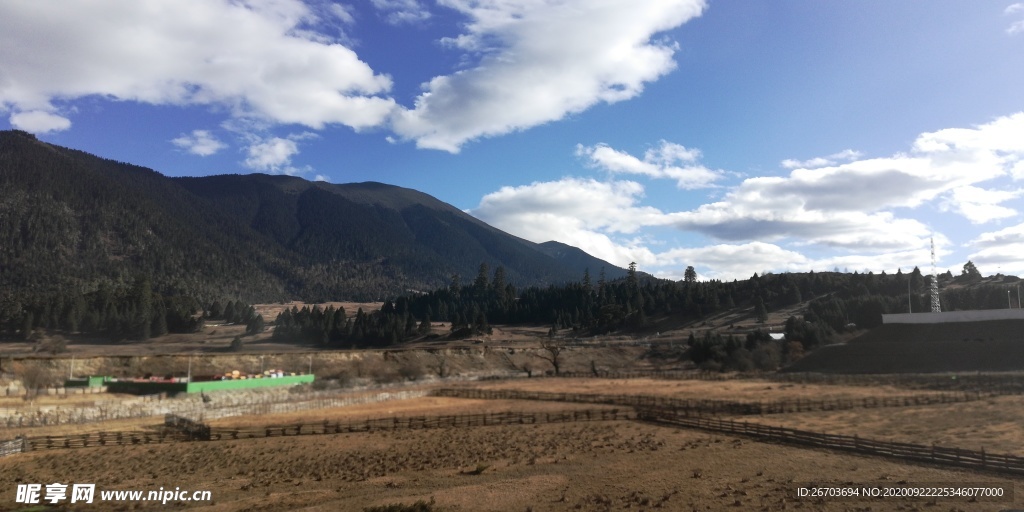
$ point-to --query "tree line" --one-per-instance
(832, 302)
(126, 313)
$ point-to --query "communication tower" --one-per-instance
(936, 308)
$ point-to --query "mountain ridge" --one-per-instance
(73, 221)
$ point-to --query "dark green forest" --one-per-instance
(833, 302)
(71, 223)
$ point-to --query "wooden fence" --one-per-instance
(187, 428)
(12, 446)
(94, 439)
(179, 429)
(653, 374)
(889, 449)
(423, 422)
(694, 407)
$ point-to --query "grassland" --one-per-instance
(613, 465)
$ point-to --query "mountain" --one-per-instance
(574, 257)
(71, 221)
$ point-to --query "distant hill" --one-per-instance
(70, 221)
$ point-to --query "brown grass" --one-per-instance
(12, 402)
(592, 466)
(425, 406)
(993, 424)
(550, 467)
(130, 424)
(738, 390)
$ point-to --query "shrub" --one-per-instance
(740, 360)
(767, 357)
(419, 506)
(34, 377)
(410, 370)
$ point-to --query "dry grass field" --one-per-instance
(993, 424)
(599, 466)
(584, 466)
(425, 406)
(739, 390)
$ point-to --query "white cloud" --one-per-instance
(262, 59)
(271, 155)
(739, 261)
(398, 12)
(38, 121)
(344, 13)
(199, 142)
(727, 262)
(822, 161)
(999, 251)
(1006, 236)
(979, 205)
(541, 60)
(1001, 137)
(668, 160)
(321, 177)
(275, 154)
(859, 206)
(1017, 26)
(849, 205)
(584, 213)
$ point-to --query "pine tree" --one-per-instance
(27, 325)
(142, 299)
(690, 275)
(159, 324)
(480, 284)
(759, 311)
(256, 325)
(229, 312)
(216, 310)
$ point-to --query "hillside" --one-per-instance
(991, 346)
(70, 221)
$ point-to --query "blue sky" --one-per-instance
(737, 137)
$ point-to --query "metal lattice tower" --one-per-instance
(936, 307)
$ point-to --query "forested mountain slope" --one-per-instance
(70, 221)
